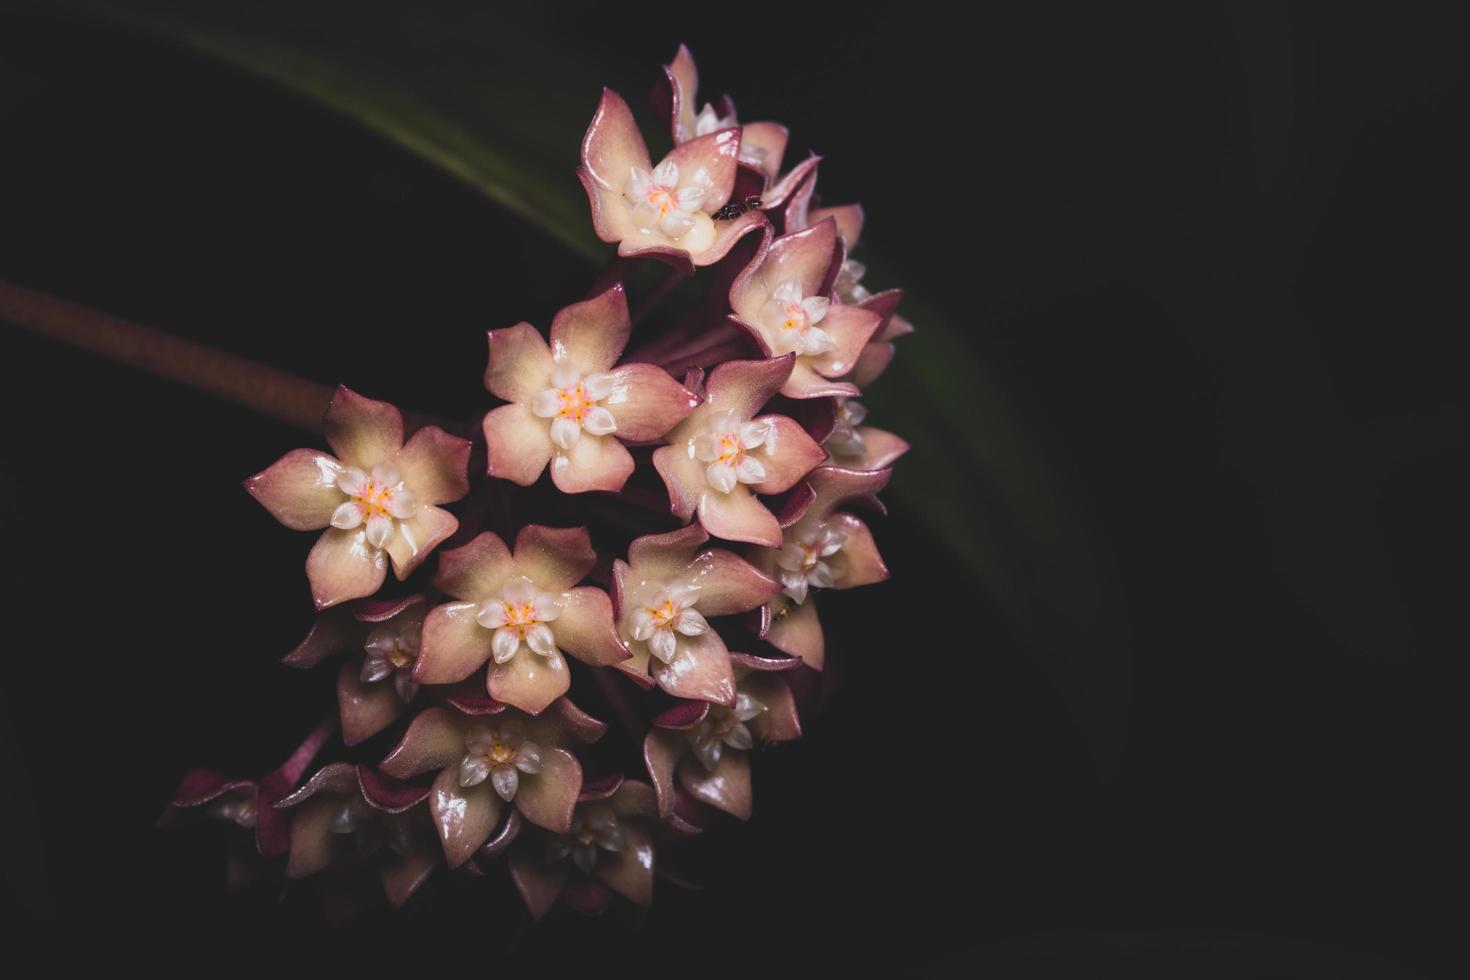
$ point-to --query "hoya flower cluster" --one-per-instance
(716, 471)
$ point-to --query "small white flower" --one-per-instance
(502, 755)
(725, 727)
(665, 611)
(520, 614)
(572, 405)
(660, 202)
(391, 651)
(802, 564)
(845, 439)
(726, 444)
(378, 499)
(791, 321)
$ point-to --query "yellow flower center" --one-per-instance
(574, 403)
(374, 499)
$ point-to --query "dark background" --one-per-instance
(1216, 257)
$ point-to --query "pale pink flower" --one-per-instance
(783, 300)
(723, 454)
(664, 211)
(856, 446)
(821, 548)
(703, 749)
(570, 405)
(662, 595)
(519, 612)
(488, 762)
(376, 498)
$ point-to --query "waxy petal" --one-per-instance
(520, 363)
(805, 382)
(342, 566)
(612, 146)
(770, 140)
(454, 644)
(529, 681)
(665, 556)
(403, 874)
(684, 478)
(849, 219)
(463, 816)
(548, 798)
(311, 836)
(683, 90)
(555, 559)
(727, 787)
(858, 563)
(299, 489)
(334, 631)
(593, 463)
(361, 431)
(629, 872)
(799, 634)
(661, 753)
(538, 882)
(779, 722)
(700, 670)
(590, 335)
(728, 584)
(365, 709)
(518, 444)
(872, 361)
(416, 537)
(738, 516)
(475, 571)
(435, 466)
(647, 402)
(850, 327)
(717, 154)
(434, 740)
(790, 454)
(586, 630)
(745, 386)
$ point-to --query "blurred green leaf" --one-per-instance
(452, 84)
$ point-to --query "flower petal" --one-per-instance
(717, 155)
(538, 882)
(808, 258)
(477, 570)
(610, 149)
(361, 431)
(333, 632)
(872, 361)
(726, 787)
(790, 454)
(779, 722)
(464, 816)
(518, 444)
(850, 328)
(799, 634)
(528, 681)
(592, 334)
(454, 644)
(684, 478)
(647, 401)
(547, 798)
(585, 628)
(555, 559)
(728, 584)
(661, 753)
(402, 874)
(744, 386)
(299, 489)
(767, 140)
(418, 536)
(739, 516)
(700, 670)
(849, 219)
(311, 835)
(629, 871)
(342, 566)
(365, 709)
(594, 463)
(435, 466)
(520, 363)
(434, 740)
(664, 556)
(880, 449)
(858, 563)
(805, 382)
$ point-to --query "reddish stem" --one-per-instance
(271, 392)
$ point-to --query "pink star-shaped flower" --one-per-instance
(489, 761)
(662, 595)
(665, 211)
(783, 300)
(376, 498)
(723, 454)
(520, 612)
(569, 405)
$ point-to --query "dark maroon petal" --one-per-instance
(509, 830)
(477, 703)
(797, 502)
(538, 882)
(600, 789)
(661, 753)
(834, 485)
(587, 895)
(332, 632)
(200, 786)
(635, 798)
(403, 874)
(387, 793)
(750, 662)
(884, 304)
(576, 722)
(380, 610)
(685, 714)
(338, 777)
